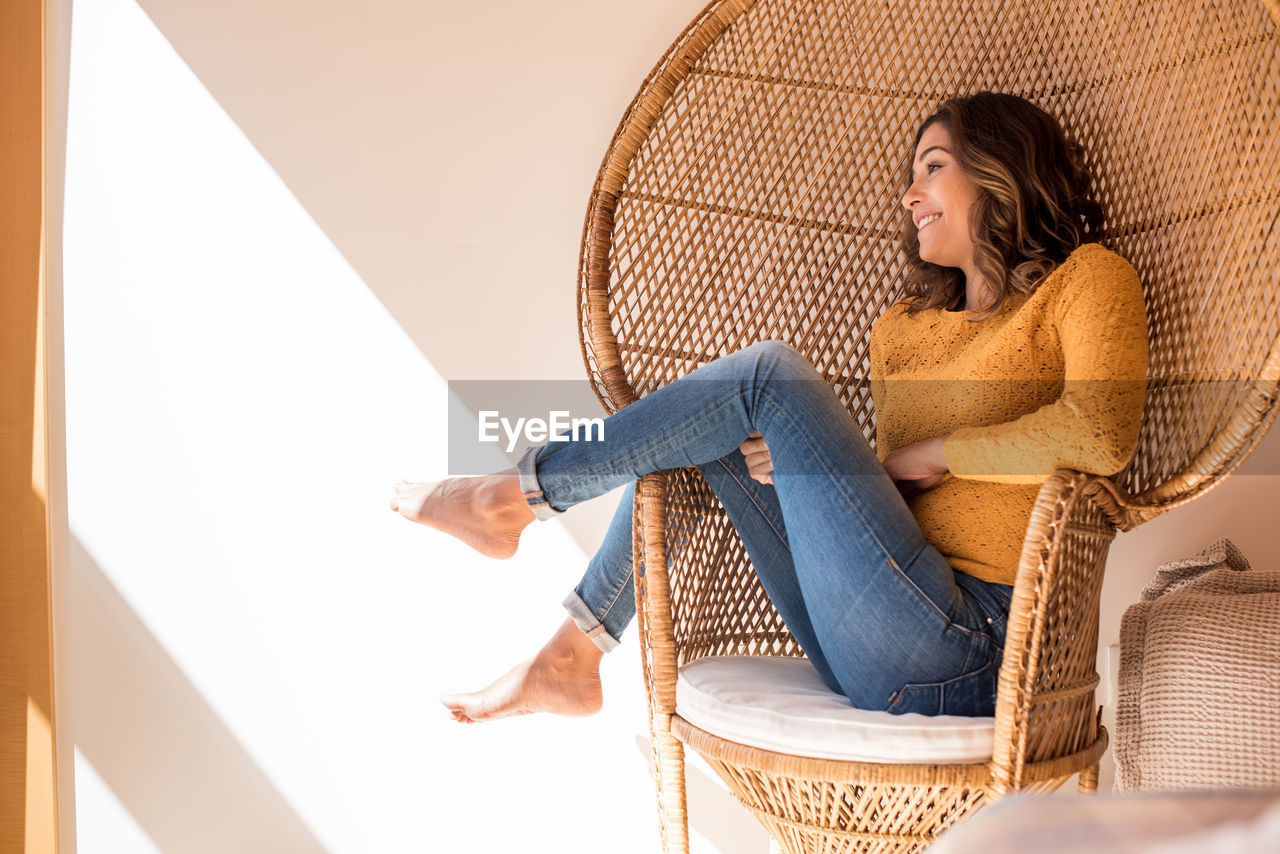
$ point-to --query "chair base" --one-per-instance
(831, 807)
(869, 806)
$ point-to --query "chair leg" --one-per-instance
(668, 767)
(1089, 781)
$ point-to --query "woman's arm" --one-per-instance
(1093, 426)
(914, 468)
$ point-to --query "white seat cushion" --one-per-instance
(782, 705)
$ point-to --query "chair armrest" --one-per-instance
(1045, 706)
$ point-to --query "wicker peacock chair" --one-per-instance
(751, 192)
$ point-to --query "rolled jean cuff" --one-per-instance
(527, 468)
(587, 622)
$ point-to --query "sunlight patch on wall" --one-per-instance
(103, 825)
(238, 404)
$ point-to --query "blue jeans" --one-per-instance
(879, 612)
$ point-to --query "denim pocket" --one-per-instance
(971, 694)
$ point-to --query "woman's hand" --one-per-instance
(917, 467)
(759, 463)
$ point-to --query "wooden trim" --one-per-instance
(28, 775)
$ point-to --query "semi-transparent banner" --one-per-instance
(1018, 429)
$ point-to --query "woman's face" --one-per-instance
(940, 198)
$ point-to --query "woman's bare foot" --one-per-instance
(487, 513)
(563, 678)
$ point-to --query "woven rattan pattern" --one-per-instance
(751, 192)
(761, 200)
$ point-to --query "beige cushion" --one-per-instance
(1199, 683)
(782, 705)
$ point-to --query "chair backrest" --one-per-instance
(752, 191)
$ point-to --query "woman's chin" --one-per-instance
(940, 259)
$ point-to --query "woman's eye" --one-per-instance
(933, 166)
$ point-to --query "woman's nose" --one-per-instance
(911, 197)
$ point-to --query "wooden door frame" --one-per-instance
(28, 756)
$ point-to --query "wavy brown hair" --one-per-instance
(1035, 200)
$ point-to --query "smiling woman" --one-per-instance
(892, 567)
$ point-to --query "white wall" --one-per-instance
(433, 164)
(255, 643)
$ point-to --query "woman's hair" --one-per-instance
(1034, 206)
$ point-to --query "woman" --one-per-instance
(1020, 348)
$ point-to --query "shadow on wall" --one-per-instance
(185, 778)
(170, 760)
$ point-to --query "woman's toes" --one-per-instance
(458, 709)
(401, 489)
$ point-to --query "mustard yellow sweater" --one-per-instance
(1055, 381)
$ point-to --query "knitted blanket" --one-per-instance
(1199, 701)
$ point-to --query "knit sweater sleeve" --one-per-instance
(1093, 426)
